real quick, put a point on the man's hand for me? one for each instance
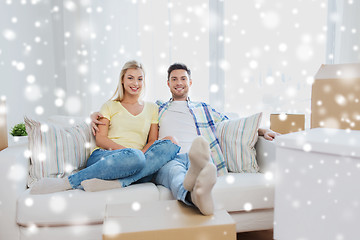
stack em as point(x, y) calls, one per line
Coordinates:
point(95, 122)
point(270, 135)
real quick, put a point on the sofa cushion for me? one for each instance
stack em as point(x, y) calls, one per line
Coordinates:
point(234, 190)
point(244, 191)
point(164, 193)
point(57, 150)
point(237, 141)
point(77, 206)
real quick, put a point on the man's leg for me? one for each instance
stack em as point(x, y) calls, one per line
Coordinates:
point(172, 175)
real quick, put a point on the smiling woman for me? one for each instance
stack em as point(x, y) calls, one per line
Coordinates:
point(131, 81)
point(127, 147)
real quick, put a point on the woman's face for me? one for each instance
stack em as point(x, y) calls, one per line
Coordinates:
point(133, 82)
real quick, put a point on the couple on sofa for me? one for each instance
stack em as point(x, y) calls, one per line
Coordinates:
point(128, 149)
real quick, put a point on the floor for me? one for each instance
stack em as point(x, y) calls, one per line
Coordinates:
point(257, 235)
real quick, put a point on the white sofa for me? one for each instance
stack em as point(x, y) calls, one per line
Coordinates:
point(76, 214)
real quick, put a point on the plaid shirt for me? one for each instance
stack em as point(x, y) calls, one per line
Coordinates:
point(205, 118)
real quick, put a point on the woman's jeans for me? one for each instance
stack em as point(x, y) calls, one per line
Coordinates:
point(128, 165)
point(172, 175)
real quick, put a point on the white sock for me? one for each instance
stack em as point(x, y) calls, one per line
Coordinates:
point(50, 185)
point(201, 196)
point(199, 155)
point(95, 184)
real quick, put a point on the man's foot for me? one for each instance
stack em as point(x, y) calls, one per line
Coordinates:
point(95, 184)
point(199, 155)
point(50, 185)
point(201, 195)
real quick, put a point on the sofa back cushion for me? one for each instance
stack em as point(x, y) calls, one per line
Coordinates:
point(237, 141)
point(57, 150)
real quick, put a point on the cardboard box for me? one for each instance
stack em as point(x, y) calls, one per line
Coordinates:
point(287, 123)
point(165, 220)
point(335, 101)
point(3, 125)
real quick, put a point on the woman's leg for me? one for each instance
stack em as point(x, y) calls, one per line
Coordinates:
point(109, 165)
point(102, 164)
point(161, 152)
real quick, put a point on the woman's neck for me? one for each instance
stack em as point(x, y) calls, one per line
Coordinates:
point(130, 99)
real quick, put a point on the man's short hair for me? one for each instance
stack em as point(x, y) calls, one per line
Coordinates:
point(177, 66)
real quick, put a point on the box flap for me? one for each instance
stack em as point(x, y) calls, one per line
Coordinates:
point(3, 125)
point(335, 101)
point(324, 140)
point(338, 71)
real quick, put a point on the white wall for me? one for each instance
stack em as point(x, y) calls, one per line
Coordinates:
point(68, 54)
point(26, 60)
point(273, 50)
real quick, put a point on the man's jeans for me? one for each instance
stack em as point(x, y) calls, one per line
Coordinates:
point(128, 165)
point(172, 175)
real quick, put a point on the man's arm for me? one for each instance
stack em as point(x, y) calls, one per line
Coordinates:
point(267, 133)
point(95, 117)
point(217, 116)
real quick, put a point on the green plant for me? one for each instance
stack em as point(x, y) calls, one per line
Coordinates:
point(18, 130)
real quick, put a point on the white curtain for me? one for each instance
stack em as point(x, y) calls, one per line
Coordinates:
point(343, 36)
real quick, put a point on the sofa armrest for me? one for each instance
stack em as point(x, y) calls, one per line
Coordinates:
point(265, 155)
point(14, 167)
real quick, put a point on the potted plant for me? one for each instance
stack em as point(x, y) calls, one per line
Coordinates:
point(19, 133)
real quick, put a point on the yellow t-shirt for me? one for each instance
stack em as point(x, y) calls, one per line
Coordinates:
point(126, 129)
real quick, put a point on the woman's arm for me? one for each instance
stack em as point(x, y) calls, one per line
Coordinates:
point(102, 139)
point(153, 136)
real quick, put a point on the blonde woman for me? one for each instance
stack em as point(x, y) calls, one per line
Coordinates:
point(127, 146)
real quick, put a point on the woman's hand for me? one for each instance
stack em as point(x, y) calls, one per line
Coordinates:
point(95, 122)
point(153, 136)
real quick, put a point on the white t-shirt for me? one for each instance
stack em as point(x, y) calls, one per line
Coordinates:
point(177, 121)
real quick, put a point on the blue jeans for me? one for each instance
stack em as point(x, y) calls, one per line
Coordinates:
point(128, 165)
point(172, 175)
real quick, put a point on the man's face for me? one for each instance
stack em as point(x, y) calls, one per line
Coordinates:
point(179, 84)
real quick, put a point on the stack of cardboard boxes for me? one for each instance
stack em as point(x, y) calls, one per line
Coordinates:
point(335, 101)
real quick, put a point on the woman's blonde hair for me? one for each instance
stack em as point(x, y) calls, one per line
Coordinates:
point(119, 92)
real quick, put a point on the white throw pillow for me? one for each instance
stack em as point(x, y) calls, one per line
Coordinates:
point(57, 150)
point(237, 141)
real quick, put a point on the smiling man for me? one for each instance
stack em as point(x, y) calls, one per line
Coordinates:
point(179, 82)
